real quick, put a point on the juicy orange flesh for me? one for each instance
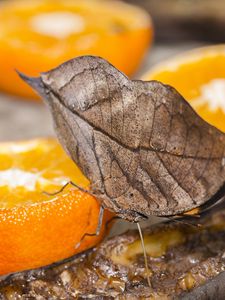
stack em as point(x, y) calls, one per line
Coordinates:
point(27, 169)
point(37, 230)
point(36, 36)
point(111, 21)
point(189, 78)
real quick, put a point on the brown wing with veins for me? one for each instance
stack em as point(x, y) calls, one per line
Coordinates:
point(144, 149)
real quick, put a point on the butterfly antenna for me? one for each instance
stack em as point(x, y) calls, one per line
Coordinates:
point(145, 255)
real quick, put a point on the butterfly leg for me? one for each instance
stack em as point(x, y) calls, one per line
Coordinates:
point(98, 229)
point(64, 186)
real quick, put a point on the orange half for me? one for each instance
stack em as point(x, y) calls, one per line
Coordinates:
point(38, 35)
point(199, 75)
point(37, 229)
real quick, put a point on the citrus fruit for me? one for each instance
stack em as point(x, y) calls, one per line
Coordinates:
point(199, 75)
point(38, 35)
point(37, 229)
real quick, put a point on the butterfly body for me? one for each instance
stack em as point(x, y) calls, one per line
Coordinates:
point(141, 145)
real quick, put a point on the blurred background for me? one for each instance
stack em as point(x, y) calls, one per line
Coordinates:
point(38, 35)
point(186, 20)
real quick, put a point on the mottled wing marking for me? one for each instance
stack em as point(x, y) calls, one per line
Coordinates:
point(141, 145)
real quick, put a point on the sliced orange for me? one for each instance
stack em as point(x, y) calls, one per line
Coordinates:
point(36, 229)
point(199, 75)
point(41, 34)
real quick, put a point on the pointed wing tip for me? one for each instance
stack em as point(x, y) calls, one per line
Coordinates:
point(27, 79)
point(34, 82)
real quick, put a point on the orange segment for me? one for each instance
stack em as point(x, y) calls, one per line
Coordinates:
point(199, 75)
point(38, 35)
point(37, 229)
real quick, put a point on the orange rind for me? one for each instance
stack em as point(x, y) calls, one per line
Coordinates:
point(37, 229)
point(39, 35)
point(199, 75)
